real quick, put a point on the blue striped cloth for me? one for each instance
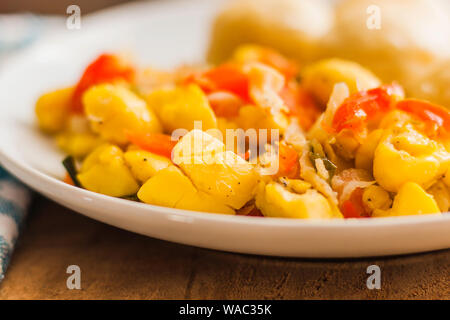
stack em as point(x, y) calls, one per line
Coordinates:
point(16, 33)
point(14, 202)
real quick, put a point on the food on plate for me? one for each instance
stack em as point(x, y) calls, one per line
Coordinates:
point(292, 27)
point(321, 76)
point(257, 135)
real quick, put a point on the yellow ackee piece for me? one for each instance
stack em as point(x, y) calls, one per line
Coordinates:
point(113, 110)
point(375, 197)
point(296, 185)
point(321, 77)
point(179, 107)
point(104, 171)
point(78, 144)
point(219, 173)
point(365, 153)
point(52, 109)
point(410, 200)
point(171, 188)
point(441, 195)
point(144, 164)
point(264, 88)
point(254, 117)
point(274, 200)
point(408, 156)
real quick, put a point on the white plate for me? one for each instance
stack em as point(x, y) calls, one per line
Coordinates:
point(166, 34)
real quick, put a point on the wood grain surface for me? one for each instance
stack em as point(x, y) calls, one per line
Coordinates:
point(117, 264)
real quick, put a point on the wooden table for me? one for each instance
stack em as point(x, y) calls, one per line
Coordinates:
point(117, 264)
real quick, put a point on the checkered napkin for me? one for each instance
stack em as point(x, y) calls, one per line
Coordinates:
point(14, 201)
point(16, 32)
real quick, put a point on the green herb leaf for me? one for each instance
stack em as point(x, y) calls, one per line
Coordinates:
point(69, 164)
point(133, 197)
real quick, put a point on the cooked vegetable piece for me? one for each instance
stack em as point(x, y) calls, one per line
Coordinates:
point(158, 143)
point(225, 104)
point(411, 199)
point(69, 165)
point(361, 108)
point(253, 117)
point(179, 107)
point(171, 188)
point(321, 77)
point(289, 165)
point(301, 105)
point(249, 210)
point(132, 197)
point(76, 144)
point(441, 195)
point(68, 180)
point(114, 110)
point(201, 201)
point(436, 118)
point(265, 85)
point(354, 207)
point(226, 77)
point(106, 68)
point(215, 171)
point(255, 53)
point(328, 165)
point(166, 188)
point(365, 153)
point(408, 156)
point(296, 185)
point(105, 171)
point(144, 164)
point(276, 201)
point(53, 108)
point(375, 197)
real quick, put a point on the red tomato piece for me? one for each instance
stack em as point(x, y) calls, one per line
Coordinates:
point(226, 77)
point(301, 105)
point(68, 180)
point(436, 118)
point(365, 106)
point(157, 143)
point(289, 165)
point(354, 207)
point(106, 68)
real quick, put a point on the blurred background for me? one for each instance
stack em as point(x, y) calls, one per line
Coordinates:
point(411, 45)
point(54, 7)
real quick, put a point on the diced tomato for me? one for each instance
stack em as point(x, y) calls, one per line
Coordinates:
point(354, 206)
point(365, 106)
point(157, 143)
point(68, 180)
point(436, 118)
point(301, 105)
point(225, 104)
point(105, 68)
point(289, 165)
point(227, 77)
